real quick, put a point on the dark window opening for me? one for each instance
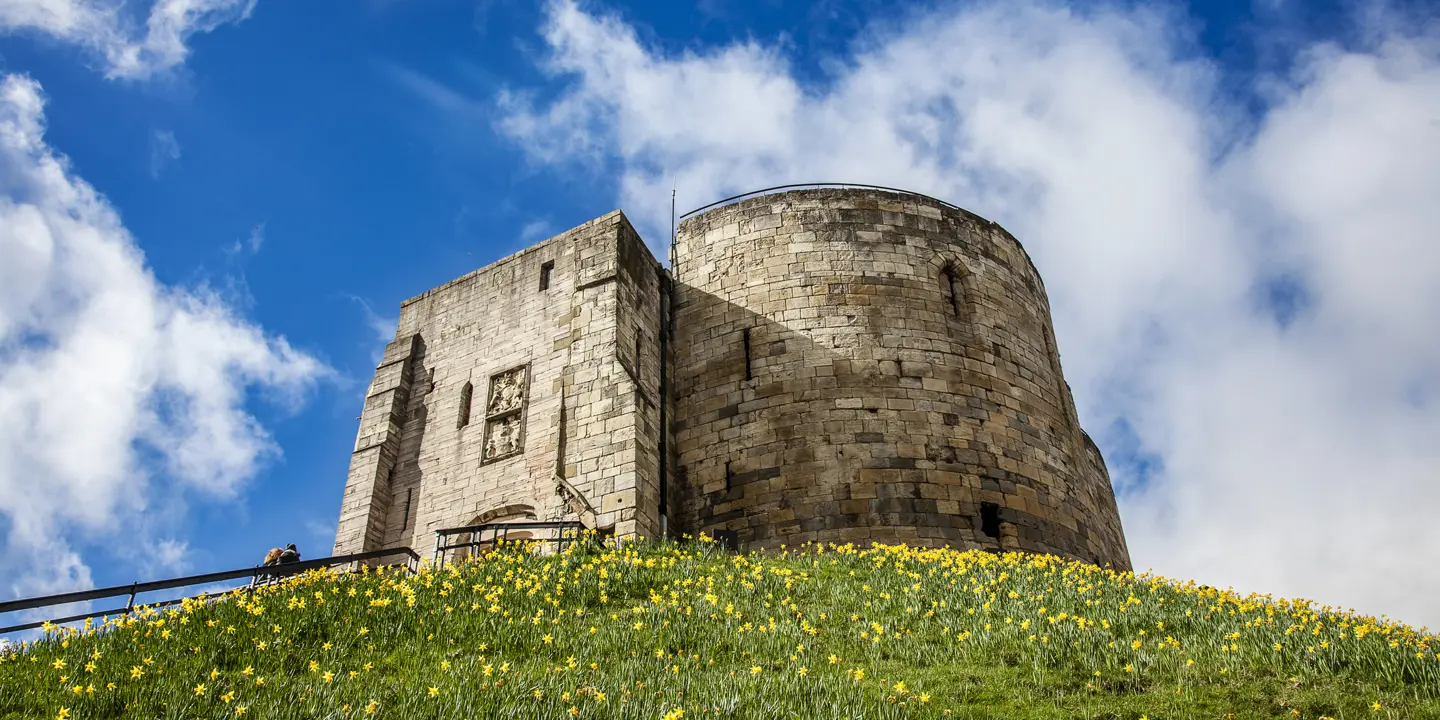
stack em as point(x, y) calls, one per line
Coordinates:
point(745, 338)
point(409, 495)
point(728, 539)
point(545, 270)
point(950, 287)
point(465, 395)
point(727, 476)
point(990, 519)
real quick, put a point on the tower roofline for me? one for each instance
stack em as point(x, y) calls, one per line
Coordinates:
point(603, 219)
point(756, 195)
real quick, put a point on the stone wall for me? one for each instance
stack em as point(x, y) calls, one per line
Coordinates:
point(502, 398)
point(839, 365)
point(857, 365)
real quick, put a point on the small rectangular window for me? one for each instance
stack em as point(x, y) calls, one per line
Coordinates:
point(545, 270)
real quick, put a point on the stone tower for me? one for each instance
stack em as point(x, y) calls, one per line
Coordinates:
point(839, 365)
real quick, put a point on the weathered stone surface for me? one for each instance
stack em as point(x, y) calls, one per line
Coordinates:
point(843, 365)
point(526, 352)
point(919, 379)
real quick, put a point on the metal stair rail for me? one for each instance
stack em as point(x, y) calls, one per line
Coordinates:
point(256, 574)
point(473, 537)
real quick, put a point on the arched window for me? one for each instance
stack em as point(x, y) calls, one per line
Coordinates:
point(466, 393)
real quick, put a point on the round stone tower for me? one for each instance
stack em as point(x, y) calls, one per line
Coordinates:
point(858, 365)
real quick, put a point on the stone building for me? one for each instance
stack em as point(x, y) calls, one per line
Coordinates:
point(836, 365)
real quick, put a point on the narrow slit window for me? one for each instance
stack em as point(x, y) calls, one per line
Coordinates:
point(545, 271)
point(990, 519)
point(950, 286)
point(727, 476)
point(409, 495)
point(465, 394)
point(745, 340)
point(637, 353)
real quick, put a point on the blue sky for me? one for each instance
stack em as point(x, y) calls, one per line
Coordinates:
point(1227, 200)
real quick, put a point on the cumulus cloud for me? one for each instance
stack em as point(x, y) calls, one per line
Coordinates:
point(1246, 300)
point(118, 394)
point(127, 47)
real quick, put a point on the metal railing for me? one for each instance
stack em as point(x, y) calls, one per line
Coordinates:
point(473, 537)
point(256, 575)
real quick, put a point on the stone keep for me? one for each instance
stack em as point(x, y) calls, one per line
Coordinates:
point(839, 365)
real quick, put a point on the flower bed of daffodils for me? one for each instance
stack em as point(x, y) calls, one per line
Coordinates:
point(669, 631)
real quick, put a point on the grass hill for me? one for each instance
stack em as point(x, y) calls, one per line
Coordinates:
point(671, 631)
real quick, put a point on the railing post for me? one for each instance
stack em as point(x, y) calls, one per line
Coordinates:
point(130, 604)
point(436, 557)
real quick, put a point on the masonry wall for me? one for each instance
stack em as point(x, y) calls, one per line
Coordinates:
point(857, 365)
point(585, 434)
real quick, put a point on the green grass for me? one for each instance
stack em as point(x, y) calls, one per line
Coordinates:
point(687, 630)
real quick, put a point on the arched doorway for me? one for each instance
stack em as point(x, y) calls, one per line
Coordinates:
point(482, 541)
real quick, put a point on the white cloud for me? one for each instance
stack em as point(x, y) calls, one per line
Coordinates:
point(118, 395)
point(534, 230)
point(170, 555)
point(1297, 456)
point(128, 48)
point(164, 149)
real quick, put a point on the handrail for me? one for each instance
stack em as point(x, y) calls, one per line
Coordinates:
point(533, 525)
point(821, 185)
point(443, 546)
point(255, 573)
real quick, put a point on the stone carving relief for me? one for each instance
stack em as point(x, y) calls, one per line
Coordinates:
point(504, 437)
point(505, 414)
point(507, 392)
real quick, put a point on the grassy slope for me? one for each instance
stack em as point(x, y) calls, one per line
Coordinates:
point(671, 631)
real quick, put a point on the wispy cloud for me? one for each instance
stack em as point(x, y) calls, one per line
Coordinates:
point(119, 391)
point(1171, 223)
point(323, 533)
point(125, 50)
point(435, 93)
point(250, 244)
point(163, 151)
point(536, 230)
point(382, 328)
